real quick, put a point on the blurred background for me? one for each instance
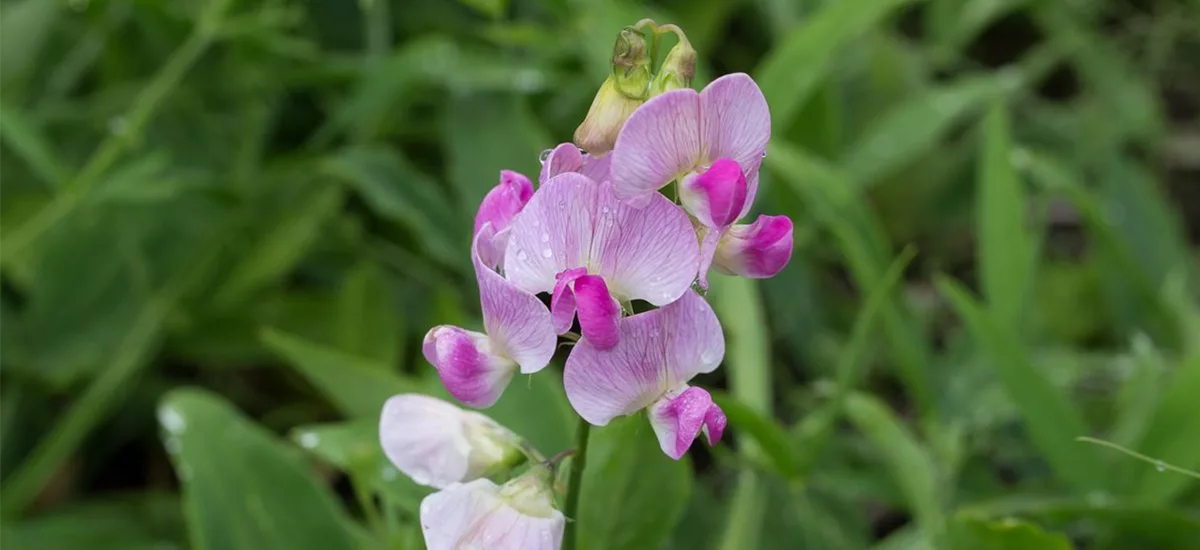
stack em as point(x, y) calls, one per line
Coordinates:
point(228, 223)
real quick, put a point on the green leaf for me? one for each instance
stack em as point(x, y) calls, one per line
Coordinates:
point(487, 133)
point(633, 494)
point(768, 436)
point(1052, 420)
point(916, 126)
point(368, 323)
point(792, 70)
point(242, 487)
point(354, 448)
point(27, 140)
point(138, 522)
point(23, 32)
point(1005, 248)
point(910, 464)
point(356, 385)
point(552, 427)
point(1137, 526)
point(1007, 534)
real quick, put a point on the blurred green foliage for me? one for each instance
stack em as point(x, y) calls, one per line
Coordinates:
point(271, 201)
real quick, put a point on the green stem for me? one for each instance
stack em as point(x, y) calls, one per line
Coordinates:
point(578, 462)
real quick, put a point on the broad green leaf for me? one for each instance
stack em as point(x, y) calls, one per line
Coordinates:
point(916, 126)
point(1006, 534)
point(910, 464)
point(633, 494)
point(354, 448)
point(487, 133)
point(368, 320)
point(397, 191)
point(292, 227)
point(1005, 251)
point(535, 407)
point(356, 385)
point(137, 522)
point(24, 29)
point(242, 487)
point(1052, 420)
point(1137, 526)
point(792, 70)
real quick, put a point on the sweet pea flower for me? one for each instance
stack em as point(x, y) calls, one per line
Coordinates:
point(476, 367)
point(659, 352)
point(566, 157)
point(592, 252)
point(498, 208)
point(436, 443)
point(757, 251)
point(518, 515)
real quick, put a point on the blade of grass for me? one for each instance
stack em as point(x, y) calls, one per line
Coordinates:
point(1159, 465)
point(1005, 249)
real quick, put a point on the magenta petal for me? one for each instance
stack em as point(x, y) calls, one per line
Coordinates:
point(504, 201)
point(562, 301)
point(714, 424)
point(660, 141)
point(758, 250)
point(716, 196)
point(566, 157)
point(677, 419)
point(657, 350)
point(644, 254)
point(599, 313)
point(735, 121)
point(468, 369)
point(519, 326)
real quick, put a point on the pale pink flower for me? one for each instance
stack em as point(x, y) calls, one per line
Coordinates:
point(566, 157)
point(498, 209)
point(575, 240)
point(476, 367)
point(436, 443)
point(659, 352)
point(518, 515)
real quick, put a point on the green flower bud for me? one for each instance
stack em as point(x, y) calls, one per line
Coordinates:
point(677, 69)
point(620, 95)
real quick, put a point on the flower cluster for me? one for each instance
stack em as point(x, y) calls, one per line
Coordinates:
point(595, 237)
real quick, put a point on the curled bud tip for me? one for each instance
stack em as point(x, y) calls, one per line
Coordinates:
point(717, 195)
point(467, 366)
point(677, 69)
point(620, 95)
point(759, 250)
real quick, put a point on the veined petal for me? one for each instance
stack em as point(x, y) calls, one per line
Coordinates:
point(709, 243)
point(681, 415)
point(598, 168)
point(436, 443)
point(644, 254)
point(735, 121)
point(660, 141)
point(714, 424)
point(599, 313)
point(758, 250)
point(566, 157)
point(552, 234)
point(504, 201)
point(717, 195)
point(562, 300)
point(469, 369)
point(518, 325)
point(476, 515)
point(658, 350)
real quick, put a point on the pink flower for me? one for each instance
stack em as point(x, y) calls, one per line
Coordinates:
point(566, 157)
point(576, 241)
point(518, 515)
point(476, 367)
point(436, 443)
point(758, 250)
point(659, 352)
point(712, 143)
point(498, 208)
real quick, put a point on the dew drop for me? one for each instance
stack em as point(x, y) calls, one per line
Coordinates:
point(545, 155)
point(764, 153)
point(171, 420)
point(546, 253)
point(309, 440)
point(521, 256)
point(545, 237)
point(562, 203)
point(117, 126)
point(604, 210)
point(1160, 466)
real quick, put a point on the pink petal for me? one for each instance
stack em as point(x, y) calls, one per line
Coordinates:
point(599, 168)
point(599, 313)
point(658, 350)
point(474, 515)
point(679, 417)
point(758, 250)
point(735, 122)
point(467, 366)
point(644, 254)
point(660, 142)
point(562, 301)
point(714, 424)
point(708, 247)
point(566, 157)
point(552, 234)
point(504, 201)
point(716, 196)
point(518, 325)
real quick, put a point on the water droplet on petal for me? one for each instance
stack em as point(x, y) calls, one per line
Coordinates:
point(544, 155)
point(604, 210)
point(764, 153)
point(546, 253)
point(562, 203)
point(521, 255)
point(1160, 466)
point(545, 237)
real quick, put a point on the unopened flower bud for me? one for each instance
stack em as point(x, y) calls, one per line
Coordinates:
point(620, 95)
point(677, 69)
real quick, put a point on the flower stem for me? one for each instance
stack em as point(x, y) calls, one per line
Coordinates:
point(578, 461)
